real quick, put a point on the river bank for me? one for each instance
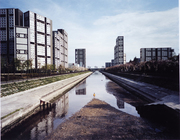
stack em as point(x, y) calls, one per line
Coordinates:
point(99, 120)
point(20, 106)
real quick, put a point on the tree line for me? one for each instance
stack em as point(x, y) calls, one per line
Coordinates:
point(168, 67)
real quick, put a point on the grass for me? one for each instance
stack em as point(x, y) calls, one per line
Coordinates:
point(11, 113)
point(9, 89)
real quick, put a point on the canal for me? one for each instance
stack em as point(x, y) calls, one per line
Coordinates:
point(45, 122)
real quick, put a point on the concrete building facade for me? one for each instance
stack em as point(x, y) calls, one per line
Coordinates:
point(64, 47)
point(119, 51)
point(80, 57)
point(40, 33)
point(13, 37)
point(148, 54)
point(60, 48)
point(108, 64)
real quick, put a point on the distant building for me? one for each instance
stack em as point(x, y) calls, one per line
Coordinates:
point(112, 62)
point(13, 36)
point(124, 58)
point(60, 48)
point(64, 48)
point(147, 54)
point(119, 51)
point(108, 64)
point(40, 32)
point(80, 57)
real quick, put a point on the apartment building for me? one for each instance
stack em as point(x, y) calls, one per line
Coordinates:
point(60, 48)
point(64, 47)
point(147, 54)
point(80, 57)
point(40, 38)
point(119, 51)
point(13, 36)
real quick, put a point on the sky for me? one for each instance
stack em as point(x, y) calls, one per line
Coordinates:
point(95, 25)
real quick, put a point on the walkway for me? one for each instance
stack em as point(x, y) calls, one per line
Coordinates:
point(154, 94)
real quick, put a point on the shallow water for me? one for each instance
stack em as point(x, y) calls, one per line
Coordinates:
point(42, 124)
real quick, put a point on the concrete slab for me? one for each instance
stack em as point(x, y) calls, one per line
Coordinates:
point(155, 94)
point(26, 101)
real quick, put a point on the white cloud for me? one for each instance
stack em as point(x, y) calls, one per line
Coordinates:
point(140, 29)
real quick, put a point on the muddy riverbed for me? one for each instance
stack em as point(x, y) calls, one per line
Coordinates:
point(98, 120)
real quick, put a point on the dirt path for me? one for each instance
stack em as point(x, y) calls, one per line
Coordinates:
point(99, 121)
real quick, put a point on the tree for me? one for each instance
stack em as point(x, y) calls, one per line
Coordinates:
point(17, 64)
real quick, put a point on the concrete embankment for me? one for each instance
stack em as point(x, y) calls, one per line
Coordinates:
point(18, 107)
point(163, 103)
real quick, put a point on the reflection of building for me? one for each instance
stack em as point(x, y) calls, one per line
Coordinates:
point(60, 48)
point(147, 54)
point(81, 92)
point(119, 51)
point(120, 103)
point(81, 89)
point(80, 57)
point(40, 33)
point(62, 105)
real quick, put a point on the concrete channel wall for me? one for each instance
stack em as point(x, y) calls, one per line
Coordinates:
point(28, 102)
point(163, 106)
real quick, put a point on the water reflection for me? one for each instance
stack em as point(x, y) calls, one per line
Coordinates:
point(81, 89)
point(43, 123)
point(120, 103)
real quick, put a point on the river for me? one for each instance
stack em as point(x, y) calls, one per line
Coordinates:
point(43, 123)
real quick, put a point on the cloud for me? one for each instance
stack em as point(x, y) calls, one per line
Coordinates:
point(89, 28)
point(142, 29)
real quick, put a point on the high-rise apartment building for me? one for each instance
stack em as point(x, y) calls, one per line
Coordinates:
point(64, 47)
point(40, 34)
point(147, 54)
point(60, 48)
point(80, 57)
point(119, 51)
point(13, 36)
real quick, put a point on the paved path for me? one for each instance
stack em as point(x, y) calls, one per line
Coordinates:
point(154, 94)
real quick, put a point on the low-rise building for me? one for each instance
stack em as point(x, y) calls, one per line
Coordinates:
point(108, 64)
point(147, 54)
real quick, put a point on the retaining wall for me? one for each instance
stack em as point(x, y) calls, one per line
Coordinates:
point(44, 93)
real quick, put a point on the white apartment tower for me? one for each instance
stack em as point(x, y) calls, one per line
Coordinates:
point(60, 48)
point(40, 38)
point(64, 47)
point(119, 51)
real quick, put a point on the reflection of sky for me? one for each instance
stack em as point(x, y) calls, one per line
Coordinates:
point(70, 103)
point(96, 83)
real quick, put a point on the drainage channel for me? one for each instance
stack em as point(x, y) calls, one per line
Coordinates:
point(45, 122)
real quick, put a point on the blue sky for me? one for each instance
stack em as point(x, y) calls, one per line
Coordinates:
point(95, 24)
